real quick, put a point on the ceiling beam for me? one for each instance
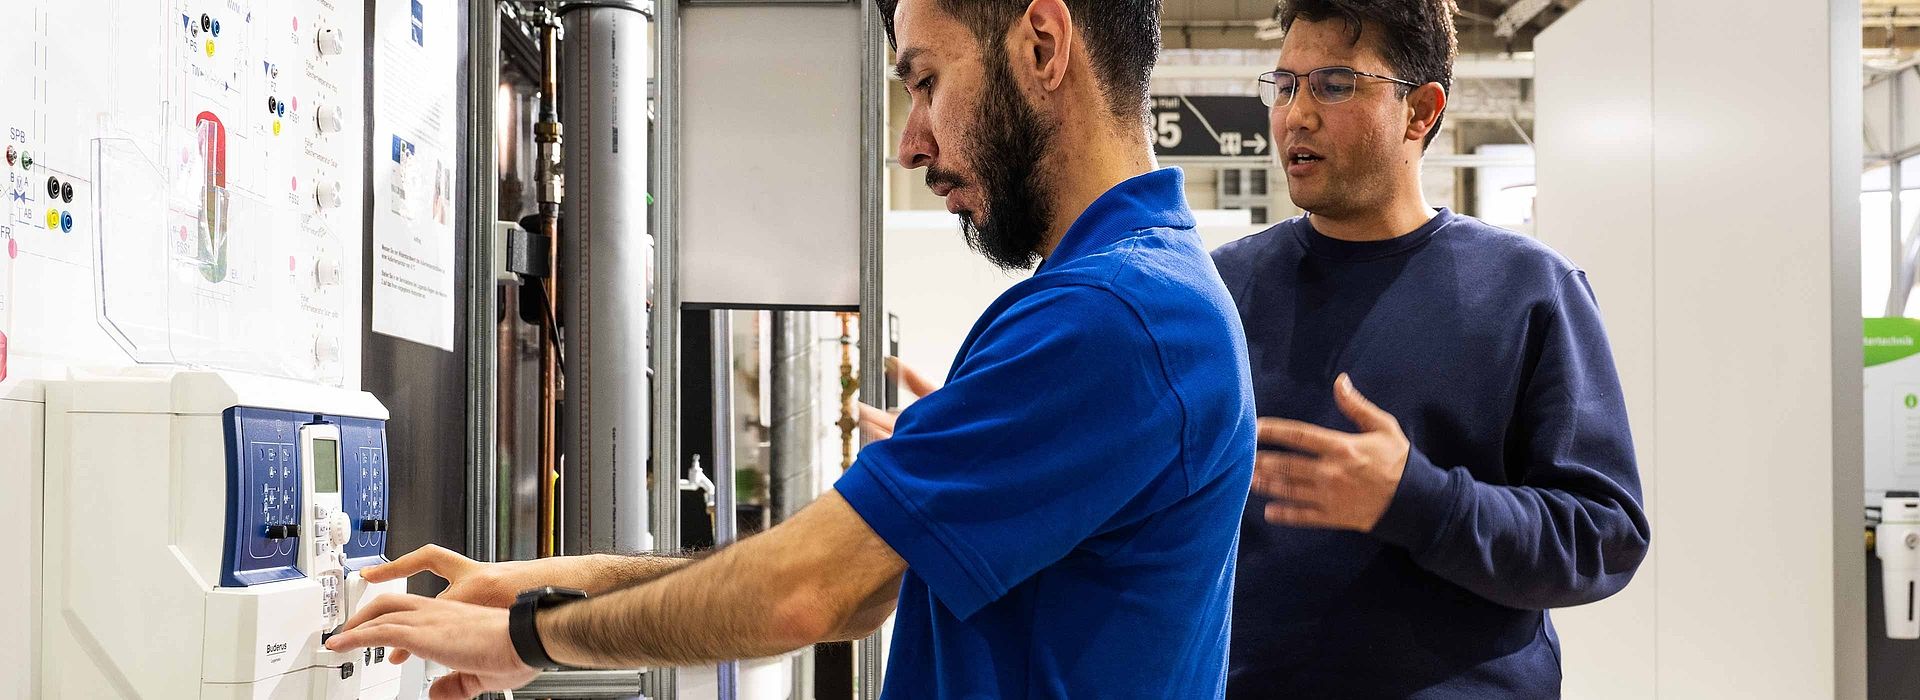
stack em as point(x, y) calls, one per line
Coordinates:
point(1519, 15)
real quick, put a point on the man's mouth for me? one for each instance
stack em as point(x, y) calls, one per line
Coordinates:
point(1300, 155)
point(943, 182)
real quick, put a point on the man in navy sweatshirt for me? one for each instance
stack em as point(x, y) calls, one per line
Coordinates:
point(1407, 544)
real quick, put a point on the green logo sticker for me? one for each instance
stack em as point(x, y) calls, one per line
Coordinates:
point(1913, 401)
point(1889, 339)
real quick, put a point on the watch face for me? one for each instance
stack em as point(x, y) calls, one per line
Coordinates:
point(561, 595)
point(550, 596)
point(530, 595)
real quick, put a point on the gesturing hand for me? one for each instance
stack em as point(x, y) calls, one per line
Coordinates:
point(1332, 479)
point(877, 424)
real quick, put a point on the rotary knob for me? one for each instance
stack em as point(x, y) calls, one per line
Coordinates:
point(330, 42)
point(326, 272)
point(326, 350)
point(340, 527)
point(327, 194)
point(329, 119)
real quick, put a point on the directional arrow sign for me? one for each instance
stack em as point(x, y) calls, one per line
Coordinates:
point(1210, 126)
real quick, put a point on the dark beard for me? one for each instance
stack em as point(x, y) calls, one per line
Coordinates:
point(1019, 204)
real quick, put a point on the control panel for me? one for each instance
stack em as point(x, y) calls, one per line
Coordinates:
point(269, 496)
point(299, 478)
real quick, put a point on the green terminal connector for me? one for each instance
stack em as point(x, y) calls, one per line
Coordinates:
point(26, 161)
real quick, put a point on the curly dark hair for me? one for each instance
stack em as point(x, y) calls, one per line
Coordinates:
point(1123, 40)
point(1416, 36)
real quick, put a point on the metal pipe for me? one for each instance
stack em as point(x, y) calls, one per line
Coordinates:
point(547, 134)
point(794, 428)
point(579, 685)
point(726, 516)
point(1900, 281)
point(604, 271)
point(661, 683)
point(483, 77)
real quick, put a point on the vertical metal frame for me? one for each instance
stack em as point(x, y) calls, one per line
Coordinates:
point(1846, 102)
point(1898, 283)
point(483, 79)
point(873, 315)
point(665, 322)
point(726, 513)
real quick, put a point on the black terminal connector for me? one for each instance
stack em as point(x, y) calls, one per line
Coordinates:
point(283, 532)
point(527, 254)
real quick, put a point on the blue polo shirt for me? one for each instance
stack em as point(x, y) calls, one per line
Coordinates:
point(1068, 504)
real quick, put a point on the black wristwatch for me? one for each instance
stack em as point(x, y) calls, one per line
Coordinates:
point(526, 637)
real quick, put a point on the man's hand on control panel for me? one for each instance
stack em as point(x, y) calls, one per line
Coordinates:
point(461, 635)
point(496, 584)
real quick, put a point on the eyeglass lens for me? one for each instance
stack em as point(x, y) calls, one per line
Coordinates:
point(1330, 86)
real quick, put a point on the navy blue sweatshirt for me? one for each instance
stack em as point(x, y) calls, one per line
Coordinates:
point(1520, 493)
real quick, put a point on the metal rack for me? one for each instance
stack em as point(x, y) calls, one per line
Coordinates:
point(495, 25)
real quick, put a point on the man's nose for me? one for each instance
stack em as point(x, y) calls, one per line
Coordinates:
point(917, 147)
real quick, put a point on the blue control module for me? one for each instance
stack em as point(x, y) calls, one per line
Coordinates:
point(363, 494)
point(264, 493)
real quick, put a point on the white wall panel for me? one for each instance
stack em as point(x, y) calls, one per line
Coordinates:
point(21, 447)
point(1732, 304)
point(1745, 355)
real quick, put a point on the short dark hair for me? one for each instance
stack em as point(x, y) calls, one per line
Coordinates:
point(1122, 39)
point(1416, 36)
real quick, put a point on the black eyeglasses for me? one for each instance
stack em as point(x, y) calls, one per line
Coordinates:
point(1331, 86)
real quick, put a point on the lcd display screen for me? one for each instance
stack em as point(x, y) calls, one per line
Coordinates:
point(326, 466)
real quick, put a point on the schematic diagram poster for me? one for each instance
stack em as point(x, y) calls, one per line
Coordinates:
point(416, 60)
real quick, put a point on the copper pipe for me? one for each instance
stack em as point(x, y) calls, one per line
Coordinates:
point(547, 135)
point(849, 386)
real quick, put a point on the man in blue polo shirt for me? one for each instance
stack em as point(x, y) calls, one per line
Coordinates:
point(1060, 520)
